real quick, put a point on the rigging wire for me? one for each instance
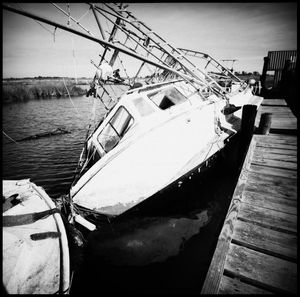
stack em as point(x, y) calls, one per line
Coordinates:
point(85, 14)
point(52, 33)
point(70, 97)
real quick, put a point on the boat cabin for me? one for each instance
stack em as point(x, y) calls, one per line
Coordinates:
point(137, 111)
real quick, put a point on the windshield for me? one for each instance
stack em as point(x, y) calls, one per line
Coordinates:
point(115, 129)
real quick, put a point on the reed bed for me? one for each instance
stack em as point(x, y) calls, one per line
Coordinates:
point(30, 89)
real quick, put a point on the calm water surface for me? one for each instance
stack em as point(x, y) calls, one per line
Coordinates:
point(162, 253)
point(49, 162)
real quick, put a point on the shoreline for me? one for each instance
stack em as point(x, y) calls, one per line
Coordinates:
point(25, 89)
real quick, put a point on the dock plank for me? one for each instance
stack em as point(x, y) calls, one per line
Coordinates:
point(278, 180)
point(270, 202)
point(262, 269)
point(271, 188)
point(275, 150)
point(285, 156)
point(273, 171)
point(230, 286)
point(276, 102)
point(275, 163)
point(276, 136)
point(280, 122)
point(276, 140)
point(275, 109)
point(266, 240)
point(277, 145)
point(273, 219)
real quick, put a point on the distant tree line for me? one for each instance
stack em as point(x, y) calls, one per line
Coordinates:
point(44, 77)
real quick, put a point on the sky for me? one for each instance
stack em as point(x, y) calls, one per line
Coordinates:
point(242, 31)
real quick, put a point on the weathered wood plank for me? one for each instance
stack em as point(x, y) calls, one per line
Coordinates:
point(271, 202)
point(284, 116)
point(275, 163)
point(259, 268)
point(266, 240)
point(275, 109)
point(276, 135)
point(215, 271)
point(267, 155)
point(273, 171)
point(277, 145)
point(274, 150)
point(269, 218)
point(270, 137)
point(280, 123)
point(269, 189)
point(230, 286)
point(279, 117)
point(278, 102)
point(276, 180)
point(276, 140)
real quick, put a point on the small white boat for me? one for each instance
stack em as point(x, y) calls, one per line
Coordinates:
point(152, 137)
point(35, 247)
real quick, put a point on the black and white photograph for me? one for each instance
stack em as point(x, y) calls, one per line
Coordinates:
point(149, 148)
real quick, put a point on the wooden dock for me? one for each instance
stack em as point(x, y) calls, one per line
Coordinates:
point(256, 252)
point(283, 120)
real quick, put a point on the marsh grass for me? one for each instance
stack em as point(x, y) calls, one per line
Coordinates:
point(30, 89)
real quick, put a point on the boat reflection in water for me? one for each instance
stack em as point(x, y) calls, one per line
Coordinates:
point(143, 241)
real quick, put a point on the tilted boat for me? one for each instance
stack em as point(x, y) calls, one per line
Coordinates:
point(153, 136)
point(172, 118)
point(35, 247)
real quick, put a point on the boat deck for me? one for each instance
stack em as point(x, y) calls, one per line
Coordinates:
point(256, 252)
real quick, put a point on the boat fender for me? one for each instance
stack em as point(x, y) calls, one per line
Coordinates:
point(82, 221)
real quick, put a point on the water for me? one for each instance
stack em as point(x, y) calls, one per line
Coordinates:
point(168, 251)
point(49, 162)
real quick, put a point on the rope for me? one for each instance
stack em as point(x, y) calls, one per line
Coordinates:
point(121, 62)
point(9, 137)
point(70, 97)
point(74, 60)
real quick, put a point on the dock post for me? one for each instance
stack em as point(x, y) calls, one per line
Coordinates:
point(264, 74)
point(265, 123)
point(283, 84)
point(247, 129)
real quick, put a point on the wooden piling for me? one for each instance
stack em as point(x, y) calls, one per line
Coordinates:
point(247, 128)
point(264, 73)
point(265, 123)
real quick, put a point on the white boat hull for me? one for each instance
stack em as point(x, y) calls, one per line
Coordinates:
point(35, 252)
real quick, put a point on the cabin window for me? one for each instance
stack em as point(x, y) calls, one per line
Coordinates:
point(115, 129)
point(166, 98)
point(142, 106)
